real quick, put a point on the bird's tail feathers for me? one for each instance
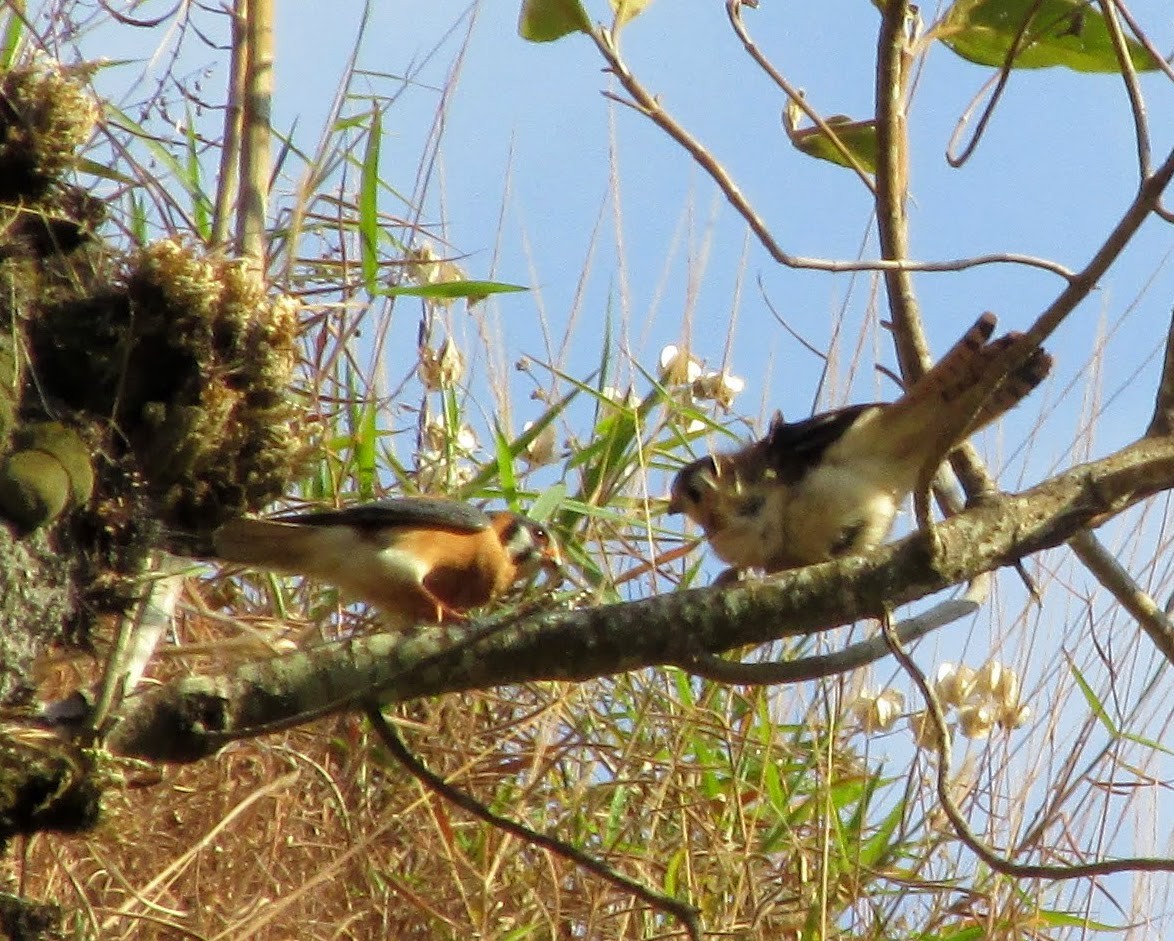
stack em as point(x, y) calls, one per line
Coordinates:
point(968, 388)
point(266, 544)
point(1012, 389)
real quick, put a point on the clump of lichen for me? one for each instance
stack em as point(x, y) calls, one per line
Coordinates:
point(193, 361)
point(45, 118)
point(48, 247)
point(137, 393)
point(221, 437)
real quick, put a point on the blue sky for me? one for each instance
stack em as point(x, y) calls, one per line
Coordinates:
point(1054, 172)
point(524, 180)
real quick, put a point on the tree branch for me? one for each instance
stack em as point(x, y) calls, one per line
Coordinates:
point(1162, 421)
point(1113, 576)
point(193, 717)
point(647, 104)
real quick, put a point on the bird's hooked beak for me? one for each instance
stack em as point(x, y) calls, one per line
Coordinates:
point(532, 548)
point(551, 557)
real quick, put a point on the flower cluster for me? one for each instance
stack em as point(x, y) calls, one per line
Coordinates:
point(444, 460)
point(442, 368)
point(681, 370)
point(982, 698)
point(979, 700)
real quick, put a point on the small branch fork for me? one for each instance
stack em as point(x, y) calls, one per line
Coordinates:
point(641, 100)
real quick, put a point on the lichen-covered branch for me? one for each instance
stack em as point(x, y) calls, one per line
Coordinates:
point(190, 719)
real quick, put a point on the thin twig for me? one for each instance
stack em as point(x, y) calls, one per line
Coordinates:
point(1113, 577)
point(1000, 86)
point(734, 12)
point(1144, 203)
point(647, 105)
point(685, 913)
point(1141, 131)
point(853, 657)
point(1139, 34)
point(1162, 422)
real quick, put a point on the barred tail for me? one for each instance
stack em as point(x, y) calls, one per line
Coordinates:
point(1013, 389)
point(965, 390)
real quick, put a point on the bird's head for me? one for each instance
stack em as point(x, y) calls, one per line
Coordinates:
point(695, 491)
point(530, 546)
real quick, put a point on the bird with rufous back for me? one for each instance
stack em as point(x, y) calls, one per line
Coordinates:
point(415, 559)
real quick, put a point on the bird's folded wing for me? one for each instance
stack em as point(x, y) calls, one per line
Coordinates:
point(412, 512)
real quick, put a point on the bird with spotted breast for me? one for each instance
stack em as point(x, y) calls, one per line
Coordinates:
point(415, 559)
point(831, 485)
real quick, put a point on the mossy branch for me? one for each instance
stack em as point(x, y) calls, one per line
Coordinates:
point(192, 718)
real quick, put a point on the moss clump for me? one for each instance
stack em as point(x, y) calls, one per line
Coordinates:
point(194, 361)
point(45, 118)
point(48, 470)
point(156, 387)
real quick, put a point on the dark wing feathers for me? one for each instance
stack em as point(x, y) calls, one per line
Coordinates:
point(428, 512)
point(793, 448)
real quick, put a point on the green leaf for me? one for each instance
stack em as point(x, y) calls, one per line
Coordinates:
point(858, 138)
point(1094, 702)
point(547, 502)
point(368, 203)
point(103, 172)
point(548, 20)
point(201, 201)
point(446, 290)
point(13, 37)
point(505, 468)
point(1044, 33)
point(626, 10)
point(366, 432)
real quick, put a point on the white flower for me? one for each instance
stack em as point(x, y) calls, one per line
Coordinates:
point(436, 474)
point(976, 721)
point(999, 682)
point(877, 712)
point(677, 367)
point(1013, 717)
point(925, 730)
point(541, 450)
point(720, 387)
point(433, 437)
point(422, 266)
point(613, 395)
point(467, 441)
point(436, 439)
point(426, 268)
point(954, 684)
point(440, 369)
